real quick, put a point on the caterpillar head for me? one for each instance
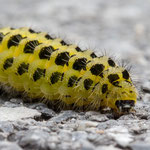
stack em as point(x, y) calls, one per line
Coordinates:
point(122, 96)
point(120, 93)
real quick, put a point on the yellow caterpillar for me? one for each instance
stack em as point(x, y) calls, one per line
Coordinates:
point(49, 68)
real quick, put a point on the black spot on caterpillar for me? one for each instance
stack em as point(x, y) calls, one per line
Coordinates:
point(71, 81)
point(104, 88)
point(80, 64)
point(46, 52)
point(62, 58)
point(23, 68)
point(97, 69)
point(38, 74)
point(55, 77)
point(87, 83)
point(8, 63)
point(45, 67)
point(30, 46)
point(14, 40)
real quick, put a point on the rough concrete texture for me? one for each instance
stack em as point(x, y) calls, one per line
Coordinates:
point(122, 29)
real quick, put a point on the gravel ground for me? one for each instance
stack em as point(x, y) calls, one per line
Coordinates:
point(122, 29)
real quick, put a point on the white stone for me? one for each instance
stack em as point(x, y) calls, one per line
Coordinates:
point(84, 124)
point(121, 135)
point(17, 113)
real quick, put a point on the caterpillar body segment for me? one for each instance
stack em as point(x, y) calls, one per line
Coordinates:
point(47, 67)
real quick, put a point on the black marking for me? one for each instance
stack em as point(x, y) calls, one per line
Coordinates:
point(88, 61)
point(45, 52)
point(63, 42)
point(72, 56)
point(93, 55)
point(48, 37)
point(12, 28)
point(67, 96)
point(95, 86)
point(71, 81)
point(113, 77)
point(104, 88)
point(23, 67)
point(97, 69)
point(78, 81)
point(30, 46)
point(62, 76)
point(14, 40)
point(116, 83)
point(32, 31)
point(107, 94)
point(1, 36)
point(125, 74)
point(128, 82)
point(80, 64)
point(101, 75)
point(8, 63)
point(87, 83)
point(111, 62)
point(62, 58)
point(38, 74)
point(55, 77)
point(78, 49)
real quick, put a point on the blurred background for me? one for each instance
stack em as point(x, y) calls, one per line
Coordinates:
point(121, 28)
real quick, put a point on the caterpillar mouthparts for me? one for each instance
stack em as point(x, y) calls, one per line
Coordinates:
point(48, 68)
point(125, 105)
